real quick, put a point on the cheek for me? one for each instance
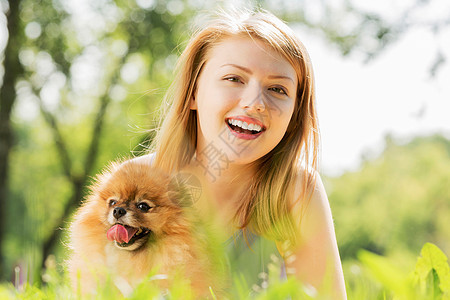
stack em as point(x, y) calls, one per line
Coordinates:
point(281, 119)
point(214, 98)
point(161, 220)
point(213, 101)
point(103, 208)
point(286, 116)
point(281, 112)
point(109, 216)
point(154, 222)
point(212, 112)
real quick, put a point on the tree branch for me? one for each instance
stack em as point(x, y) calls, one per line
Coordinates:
point(59, 140)
point(80, 181)
point(95, 140)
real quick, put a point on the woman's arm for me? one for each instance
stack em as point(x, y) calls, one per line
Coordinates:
point(315, 260)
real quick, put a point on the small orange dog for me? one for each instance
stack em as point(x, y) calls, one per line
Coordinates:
point(131, 223)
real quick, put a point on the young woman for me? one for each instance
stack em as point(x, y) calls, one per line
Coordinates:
point(242, 119)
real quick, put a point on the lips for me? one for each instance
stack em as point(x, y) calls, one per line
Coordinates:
point(245, 127)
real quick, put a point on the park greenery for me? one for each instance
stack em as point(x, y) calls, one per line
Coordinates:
point(82, 85)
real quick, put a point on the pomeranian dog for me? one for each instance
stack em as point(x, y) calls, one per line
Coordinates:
point(131, 223)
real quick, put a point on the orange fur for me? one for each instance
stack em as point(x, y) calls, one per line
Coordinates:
point(171, 246)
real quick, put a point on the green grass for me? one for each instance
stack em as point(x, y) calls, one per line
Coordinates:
point(370, 277)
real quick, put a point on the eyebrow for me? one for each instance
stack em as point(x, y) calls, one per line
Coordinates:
point(239, 67)
point(281, 77)
point(247, 70)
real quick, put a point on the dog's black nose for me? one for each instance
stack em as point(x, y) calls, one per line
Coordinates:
point(118, 212)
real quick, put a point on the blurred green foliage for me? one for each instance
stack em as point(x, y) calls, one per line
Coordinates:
point(395, 202)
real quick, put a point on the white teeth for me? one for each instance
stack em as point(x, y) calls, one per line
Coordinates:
point(139, 231)
point(244, 125)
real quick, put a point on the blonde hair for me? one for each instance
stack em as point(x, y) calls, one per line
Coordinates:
point(266, 206)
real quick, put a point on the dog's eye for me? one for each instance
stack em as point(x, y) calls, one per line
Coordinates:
point(143, 207)
point(112, 202)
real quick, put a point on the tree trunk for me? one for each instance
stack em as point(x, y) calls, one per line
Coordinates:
point(78, 182)
point(13, 70)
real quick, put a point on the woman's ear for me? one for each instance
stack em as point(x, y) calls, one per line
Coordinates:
point(193, 103)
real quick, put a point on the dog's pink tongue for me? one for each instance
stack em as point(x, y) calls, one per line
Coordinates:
point(120, 233)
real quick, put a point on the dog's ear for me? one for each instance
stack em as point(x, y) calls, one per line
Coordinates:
point(184, 189)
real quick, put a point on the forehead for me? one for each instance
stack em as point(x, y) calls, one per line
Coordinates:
point(251, 53)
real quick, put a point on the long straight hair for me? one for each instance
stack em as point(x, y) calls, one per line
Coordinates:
point(266, 206)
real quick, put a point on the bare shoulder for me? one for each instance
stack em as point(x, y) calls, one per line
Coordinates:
point(316, 255)
point(311, 206)
point(145, 159)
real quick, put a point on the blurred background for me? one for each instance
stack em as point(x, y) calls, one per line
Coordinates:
point(82, 82)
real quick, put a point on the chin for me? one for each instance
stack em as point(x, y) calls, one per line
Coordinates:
point(244, 153)
point(132, 224)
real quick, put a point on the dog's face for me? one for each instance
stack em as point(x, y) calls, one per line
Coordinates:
point(137, 207)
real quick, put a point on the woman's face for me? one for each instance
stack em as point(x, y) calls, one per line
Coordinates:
point(244, 99)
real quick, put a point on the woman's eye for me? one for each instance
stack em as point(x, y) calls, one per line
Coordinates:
point(112, 202)
point(278, 90)
point(233, 79)
point(143, 207)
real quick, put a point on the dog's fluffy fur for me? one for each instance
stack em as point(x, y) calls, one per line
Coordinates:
point(135, 195)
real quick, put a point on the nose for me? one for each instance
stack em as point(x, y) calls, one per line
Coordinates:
point(253, 99)
point(118, 212)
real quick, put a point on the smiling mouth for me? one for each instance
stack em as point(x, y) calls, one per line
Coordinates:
point(125, 235)
point(245, 129)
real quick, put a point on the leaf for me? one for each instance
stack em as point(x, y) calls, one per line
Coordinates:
point(241, 287)
point(6, 292)
point(433, 260)
point(32, 293)
point(387, 274)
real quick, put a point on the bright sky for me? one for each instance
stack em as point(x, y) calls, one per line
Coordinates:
point(359, 103)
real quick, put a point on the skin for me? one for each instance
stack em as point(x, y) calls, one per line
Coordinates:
point(316, 259)
point(242, 77)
